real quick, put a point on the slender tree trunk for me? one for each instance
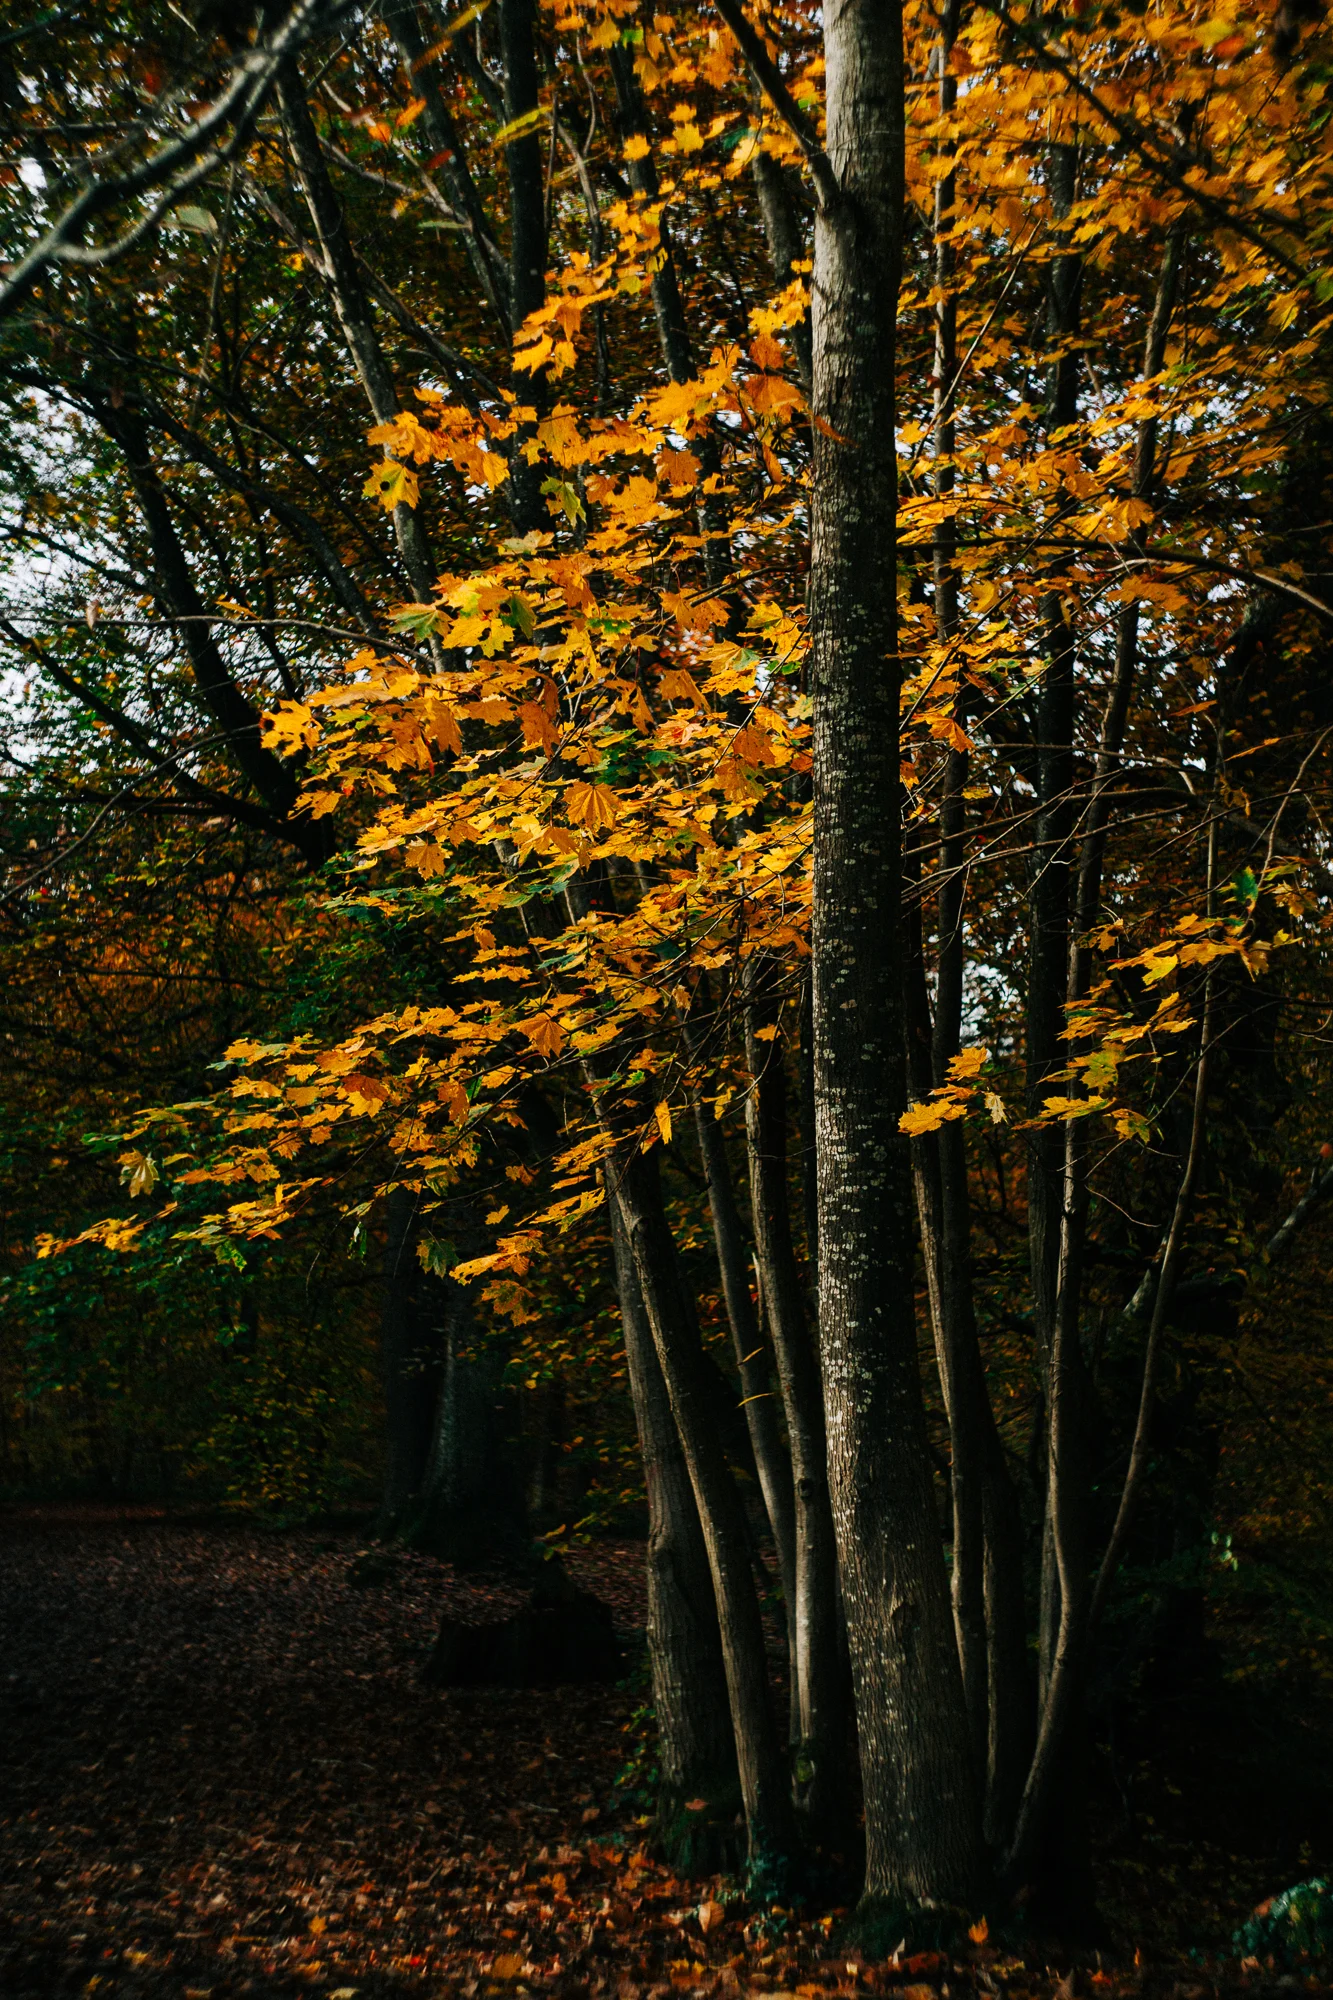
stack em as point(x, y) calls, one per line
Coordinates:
point(673, 332)
point(987, 1571)
point(949, 1293)
point(1092, 853)
point(785, 236)
point(760, 1763)
point(446, 148)
point(472, 1506)
point(410, 1369)
point(922, 1819)
point(696, 1746)
point(817, 1668)
point(343, 277)
point(809, 1166)
point(527, 241)
point(1063, 1866)
point(1052, 1810)
point(1048, 896)
point(772, 1464)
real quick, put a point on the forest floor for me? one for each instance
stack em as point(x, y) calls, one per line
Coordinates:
point(221, 1775)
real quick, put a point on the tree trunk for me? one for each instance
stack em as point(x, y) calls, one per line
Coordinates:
point(696, 1748)
point(1055, 1210)
point(760, 1763)
point(950, 1294)
point(772, 1465)
point(343, 275)
point(922, 1819)
point(472, 1506)
point(817, 1669)
point(410, 1365)
point(445, 147)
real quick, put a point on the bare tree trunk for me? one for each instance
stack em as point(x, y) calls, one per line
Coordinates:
point(472, 1504)
point(772, 1465)
point(760, 1763)
point(817, 1669)
point(785, 237)
point(446, 147)
point(922, 1818)
point(949, 1292)
point(343, 277)
point(1055, 1244)
point(410, 1370)
point(696, 1747)
point(673, 332)
point(987, 1570)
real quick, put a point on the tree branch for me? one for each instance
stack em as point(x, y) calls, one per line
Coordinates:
point(176, 164)
point(768, 76)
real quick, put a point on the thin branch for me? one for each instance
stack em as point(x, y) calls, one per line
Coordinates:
point(175, 165)
point(769, 78)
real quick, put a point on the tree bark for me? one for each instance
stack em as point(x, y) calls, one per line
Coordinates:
point(760, 1764)
point(817, 1669)
point(772, 1465)
point(696, 1747)
point(922, 1820)
point(446, 146)
point(472, 1507)
point(411, 1371)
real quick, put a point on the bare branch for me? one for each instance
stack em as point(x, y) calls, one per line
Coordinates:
point(769, 78)
point(174, 167)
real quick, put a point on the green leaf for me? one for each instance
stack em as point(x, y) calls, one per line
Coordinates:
point(1245, 887)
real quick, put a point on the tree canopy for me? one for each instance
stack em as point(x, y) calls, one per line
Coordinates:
point(675, 668)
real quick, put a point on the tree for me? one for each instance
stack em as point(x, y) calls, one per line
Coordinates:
point(939, 640)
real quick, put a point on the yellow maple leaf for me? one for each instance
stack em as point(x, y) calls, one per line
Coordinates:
point(538, 729)
point(593, 806)
point(677, 685)
point(426, 856)
point(290, 728)
point(636, 502)
point(662, 1113)
point(678, 468)
point(546, 1036)
point(930, 1115)
point(393, 485)
point(767, 353)
point(440, 722)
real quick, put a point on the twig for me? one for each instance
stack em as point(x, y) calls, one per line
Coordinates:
point(769, 77)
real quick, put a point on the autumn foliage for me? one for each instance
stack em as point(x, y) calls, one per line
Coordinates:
point(431, 520)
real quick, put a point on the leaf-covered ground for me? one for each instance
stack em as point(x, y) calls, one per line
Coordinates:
point(220, 1774)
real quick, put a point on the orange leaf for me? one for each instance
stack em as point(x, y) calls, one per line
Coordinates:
point(593, 805)
point(928, 1117)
